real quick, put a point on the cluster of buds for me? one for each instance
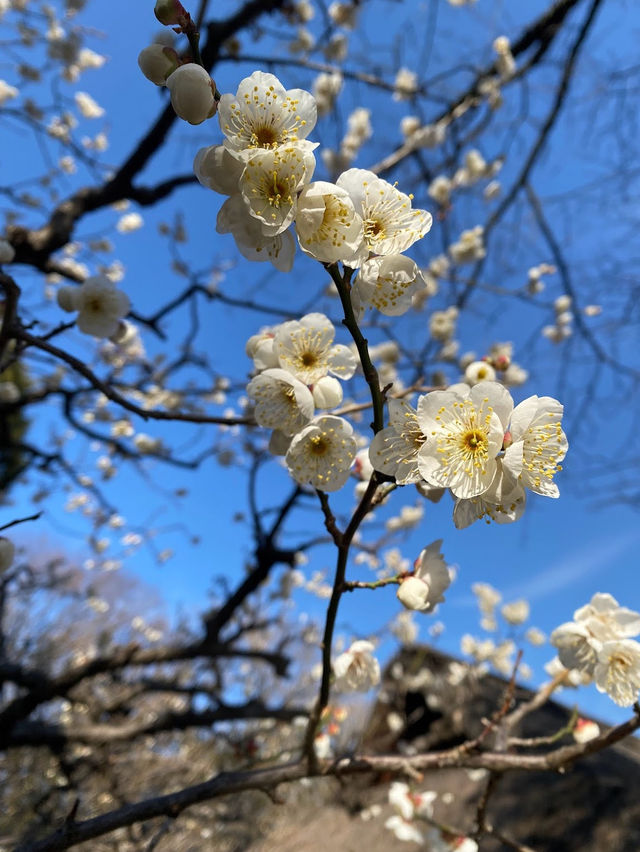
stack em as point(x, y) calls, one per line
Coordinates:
point(194, 96)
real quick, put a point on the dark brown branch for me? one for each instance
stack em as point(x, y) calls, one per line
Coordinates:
point(72, 833)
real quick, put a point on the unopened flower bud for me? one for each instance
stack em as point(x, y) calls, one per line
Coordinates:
point(7, 553)
point(192, 93)
point(327, 392)
point(413, 593)
point(157, 61)
point(169, 12)
point(68, 298)
point(7, 251)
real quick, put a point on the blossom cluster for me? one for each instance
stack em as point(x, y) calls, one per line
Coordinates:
point(265, 167)
point(298, 368)
point(474, 442)
point(598, 644)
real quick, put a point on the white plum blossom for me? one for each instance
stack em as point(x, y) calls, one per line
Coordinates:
point(600, 621)
point(252, 243)
point(326, 88)
point(270, 182)
point(390, 223)
point(406, 84)
point(404, 830)
point(343, 14)
point(388, 283)
point(437, 840)
point(442, 324)
point(305, 348)
point(516, 612)
point(469, 247)
point(617, 671)
point(505, 63)
point(7, 92)
point(440, 189)
point(479, 371)
point(394, 450)
point(192, 93)
point(282, 402)
point(87, 106)
point(100, 305)
point(129, 222)
point(503, 502)
point(321, 454)
point(424, 589)
point(464, 436)
point(263, 115)
point(357, 670)
point(538, 444)
point(327, 225)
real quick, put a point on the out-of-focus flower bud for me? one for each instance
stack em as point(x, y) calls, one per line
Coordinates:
point(7, 553)
point(68, 298)
point(169, 12)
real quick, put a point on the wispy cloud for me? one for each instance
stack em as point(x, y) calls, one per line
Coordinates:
point(566, 570)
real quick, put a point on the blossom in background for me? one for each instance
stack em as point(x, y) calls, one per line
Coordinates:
point(263, 115)
point(390, 223)
point(516, 612)
point(394, 450)
point(7, 251)
point(617, 671)
point(305, 348)
point(479, 371)
point(322, 453)
point(469, 247)
point(388, 283)
point(585, 730)
point(281, 401)
point(357, 670)
point(406, 84)
point(424, 589)
point(100, 305)
point(440, 841)
point(602, 620)
point(408, 805)
point(7, 553)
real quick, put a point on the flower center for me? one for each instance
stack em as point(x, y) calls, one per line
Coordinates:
point(265, 137)
point(308, 359)
point(318, 445)
point(373, 230)
point(474, 441)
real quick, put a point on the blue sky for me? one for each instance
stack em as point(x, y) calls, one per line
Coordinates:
point(562, 551)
